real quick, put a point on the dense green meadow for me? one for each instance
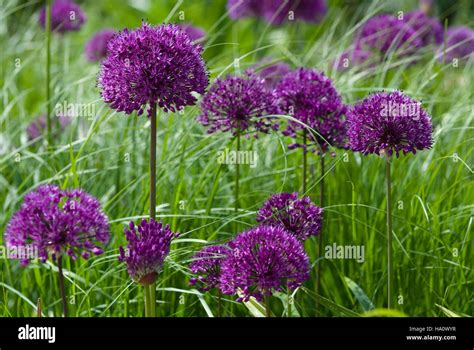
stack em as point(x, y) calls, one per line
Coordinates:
point(107, 156)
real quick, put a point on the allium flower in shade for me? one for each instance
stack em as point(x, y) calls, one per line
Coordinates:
point(38, 126)
point(386, 33)
point(152, 65)
point(351, 58)
point(272, 72)
point(387, 123)
point(206, 265)
point(311, 98)
point(96, 47)
point(148, 246)
point(263, 260)
point(195, 33)
point(66, 16)
point(459, 44)
point(59, 221)
point(300, 217)
point(278, 12)
point(428, 29)
point(238, 103)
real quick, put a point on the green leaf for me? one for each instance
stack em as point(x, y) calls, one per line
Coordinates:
point(360, 295)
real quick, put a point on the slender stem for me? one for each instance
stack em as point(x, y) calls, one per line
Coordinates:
point(268, 311)
point(219, 303)
point(153, 162)
point(305, 160)
point(320, 239)
point(289, 301)
point(61, 286)
point(152, 302)
point(49, 138)
point(146, 297)
point(389, 231)
point(237, 172)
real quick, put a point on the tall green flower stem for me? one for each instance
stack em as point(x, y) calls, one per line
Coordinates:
point(305, 159)
point(150, 289)
point(237, 171)
point(389, 229)
point(320, 238)
point(268, 311)
point(47, 28)
point(219, 303)
point(61, 286)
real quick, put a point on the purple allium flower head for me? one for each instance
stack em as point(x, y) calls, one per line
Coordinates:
point(206, 265)
point(272, 72)
point(238, 103)
point(459, 44)
point(278, 12)
point(428, 29)
point(152, 65)
point(66, 16)
point(387, 123)
point(351, 58)
point(300, 217)
point(56, 221)
point(263, 260)
point(311, 98)
point(36, 128)
point(195, 33)
point(96, 47)
point(148, 246)
point(386, 33)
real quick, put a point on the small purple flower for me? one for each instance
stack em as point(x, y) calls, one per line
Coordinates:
point(278, 12)
point(428, 29)
point(351, 58)
point(385, 33)
point(57, 222)
point(148, 246)
point(300, 217)
point(206, 265)
point(387, 123)
point(195, 33)
point(36, 128)
point(311, 98)
point(238, 103)
point(96, 47)
point(272, 72)
point(459, 44)
point(66, 16)
point(263, 260)
point(152, 65)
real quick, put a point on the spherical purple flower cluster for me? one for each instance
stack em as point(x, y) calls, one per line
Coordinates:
point(36, 128)
point(206, 265)
point(428, 29)
point(263, 260)
point(459, 44)
point(66, 16)
point(300, 217)
point(56, 221)
point(96, 47)
point(278, 12)
point(148, 246)
point(387, 123)
point(195, 33)
point(311, 98)
point(238, 103)
point(152, 65)
point(272, 73)
point(384, 33)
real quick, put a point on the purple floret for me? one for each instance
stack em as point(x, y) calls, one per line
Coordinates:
point(428, 29)
point(152, 65)
point(263, 260)
point(148, 246)
point(206, 265)
point(459, 44)
point(387, 123)
point(38, 126)
point(96, 47)
point(66, 16)
point(195, 33)
point(238, 103)
point(58, 222)
point(272, 72)
point(300, 217)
